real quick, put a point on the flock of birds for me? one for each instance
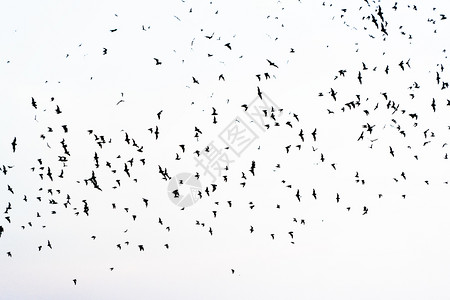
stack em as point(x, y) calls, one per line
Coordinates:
point(107, 172)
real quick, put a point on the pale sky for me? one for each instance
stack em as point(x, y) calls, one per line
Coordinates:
point(398, 249)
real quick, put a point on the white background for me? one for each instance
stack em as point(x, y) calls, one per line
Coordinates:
point(398, 250)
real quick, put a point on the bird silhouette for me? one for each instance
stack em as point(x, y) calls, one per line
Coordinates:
point(272, 64)
point(14, 144)
point(259, 93)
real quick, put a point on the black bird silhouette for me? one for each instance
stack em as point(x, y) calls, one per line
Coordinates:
point(380, 13)
point(197, 130)
point(314, 133)
point(301, 135)
point(272, 64)
point(361, 137)
point(333, 94)
point(252, 168)
point(126, 170)
point(157, 61)
point(298, 195)
point(14, 144)
point(33, 103)
point(156, 132)
point(287, 148)
point(383, 29)
point(259, 93)
point(49, 173)
point(228, 45)
point(374, 21)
